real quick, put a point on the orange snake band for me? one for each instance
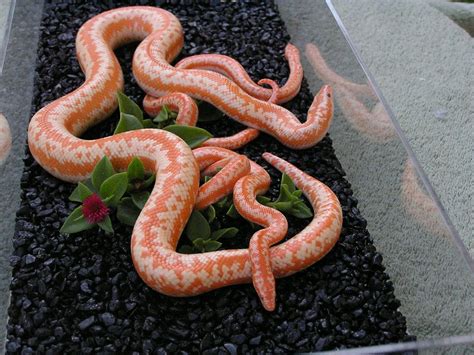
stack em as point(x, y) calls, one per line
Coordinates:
point(188, 116)
point(233, 70)
point(299, 252)
point(187, 108)
point(53, 141)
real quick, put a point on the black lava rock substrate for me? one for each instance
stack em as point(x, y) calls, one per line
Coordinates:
point(81, 293)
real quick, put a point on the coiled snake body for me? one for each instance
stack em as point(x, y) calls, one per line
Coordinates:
point(53, 141)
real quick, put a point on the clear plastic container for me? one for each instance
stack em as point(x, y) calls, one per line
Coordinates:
point(424, 252)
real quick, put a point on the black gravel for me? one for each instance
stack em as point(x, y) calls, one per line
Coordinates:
point(81, 294)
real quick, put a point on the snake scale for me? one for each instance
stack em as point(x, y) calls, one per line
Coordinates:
point(54, 131)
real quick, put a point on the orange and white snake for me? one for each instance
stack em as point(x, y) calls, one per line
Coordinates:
point(53, 140)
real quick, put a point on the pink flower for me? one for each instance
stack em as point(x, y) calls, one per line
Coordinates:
point(94, 209)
